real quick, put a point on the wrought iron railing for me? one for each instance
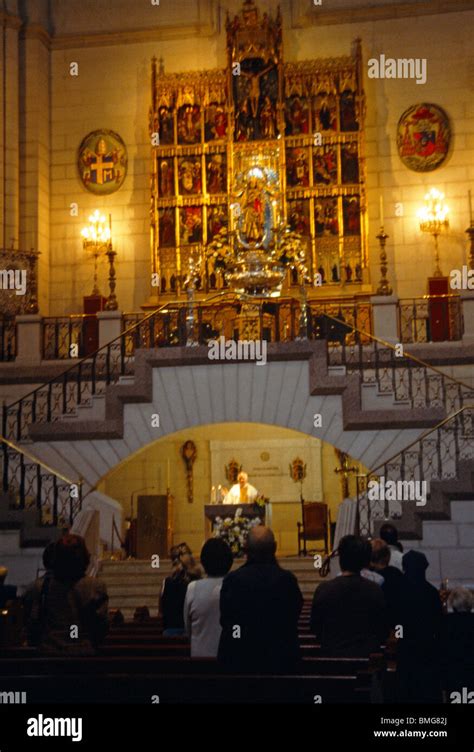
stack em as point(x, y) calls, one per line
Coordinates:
point(65, 337)
point(32, 485)
point(412, 382)
point(7, 339)
point(432, 318)
point(434, 456)
point(279, 321)
point(170, 326)
point(83, 380)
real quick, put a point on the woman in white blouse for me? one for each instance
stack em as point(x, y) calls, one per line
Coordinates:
point(201, 605)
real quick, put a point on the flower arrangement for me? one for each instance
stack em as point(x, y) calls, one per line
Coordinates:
point(260, 502)
point(220, 249)
point(234, 531)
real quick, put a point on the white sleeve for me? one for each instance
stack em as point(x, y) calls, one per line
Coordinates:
point(229, 498)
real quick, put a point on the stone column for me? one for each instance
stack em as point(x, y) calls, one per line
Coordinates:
point(110, 326)
point(10, 127)
point(29, 347)
point(385, 317)
point(35, 141)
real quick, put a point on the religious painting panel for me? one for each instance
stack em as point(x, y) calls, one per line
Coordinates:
point(190, 175)
point(297, 167)
point(327, 259)
point(325, 165)
point(298, 217)
point(166, 177)
point(351, 214)
point(165, 126)
point(190, 224)
point(324, 109)
point(348, 111)
point(325, 216)
point(216, 220)
point(255, 90)
point(192, 110)
point(167, 227)
point(352, 264)
point(167, 268)
point(350, 162)
point(216, 173)
point(189, 124)
point(215, 126)
point(296, 116)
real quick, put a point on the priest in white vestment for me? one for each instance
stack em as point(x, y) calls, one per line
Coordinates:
point(242, 492)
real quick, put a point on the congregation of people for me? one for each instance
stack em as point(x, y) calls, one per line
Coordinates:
point(248, 618)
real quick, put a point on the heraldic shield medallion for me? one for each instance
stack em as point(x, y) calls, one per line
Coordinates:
point(423, 137)
point(102, 162)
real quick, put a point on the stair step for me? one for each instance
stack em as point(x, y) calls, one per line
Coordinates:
point(133, 583)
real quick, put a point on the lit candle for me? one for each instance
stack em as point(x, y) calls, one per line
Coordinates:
point(381, 211)
point(470, 207)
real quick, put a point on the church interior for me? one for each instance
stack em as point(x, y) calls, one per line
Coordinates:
point(236, 293)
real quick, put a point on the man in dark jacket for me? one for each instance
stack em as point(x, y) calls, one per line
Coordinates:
point(260, 605)
point(418, 650)
point(349, 614)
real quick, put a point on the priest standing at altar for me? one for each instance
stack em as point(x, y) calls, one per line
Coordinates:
point(242, 492)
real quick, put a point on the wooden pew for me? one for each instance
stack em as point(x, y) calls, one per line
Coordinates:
point(186, 689)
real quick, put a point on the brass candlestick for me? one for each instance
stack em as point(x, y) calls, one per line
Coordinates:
point(437, 272)
point(384, 286)
point(111, 304)
point(470, 232)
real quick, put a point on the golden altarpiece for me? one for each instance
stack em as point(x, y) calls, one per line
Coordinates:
point(290, 132)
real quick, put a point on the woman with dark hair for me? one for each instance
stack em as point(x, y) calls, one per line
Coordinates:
point(201, 605)
point(69, 611)
point(173, 592)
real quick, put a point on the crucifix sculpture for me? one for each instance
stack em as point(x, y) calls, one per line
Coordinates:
point(344, 470)
point(189, 454)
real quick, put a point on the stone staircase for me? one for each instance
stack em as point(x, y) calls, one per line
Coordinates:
point(81, 426)
point(185, 389)
point(133, 582)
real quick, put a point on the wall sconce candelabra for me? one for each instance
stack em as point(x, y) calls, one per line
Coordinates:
point(433, 219)
point(97, 239)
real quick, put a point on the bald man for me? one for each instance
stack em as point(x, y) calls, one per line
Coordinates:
point(260, 605)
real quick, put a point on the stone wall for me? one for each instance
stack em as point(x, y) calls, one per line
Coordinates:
point(113, 49)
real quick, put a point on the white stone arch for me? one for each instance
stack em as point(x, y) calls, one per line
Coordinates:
point(191, 395)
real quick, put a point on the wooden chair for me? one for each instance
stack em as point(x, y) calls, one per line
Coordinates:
point(315, 526)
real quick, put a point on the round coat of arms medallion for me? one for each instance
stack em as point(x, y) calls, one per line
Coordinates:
point(102, 162)
point(423, 137)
